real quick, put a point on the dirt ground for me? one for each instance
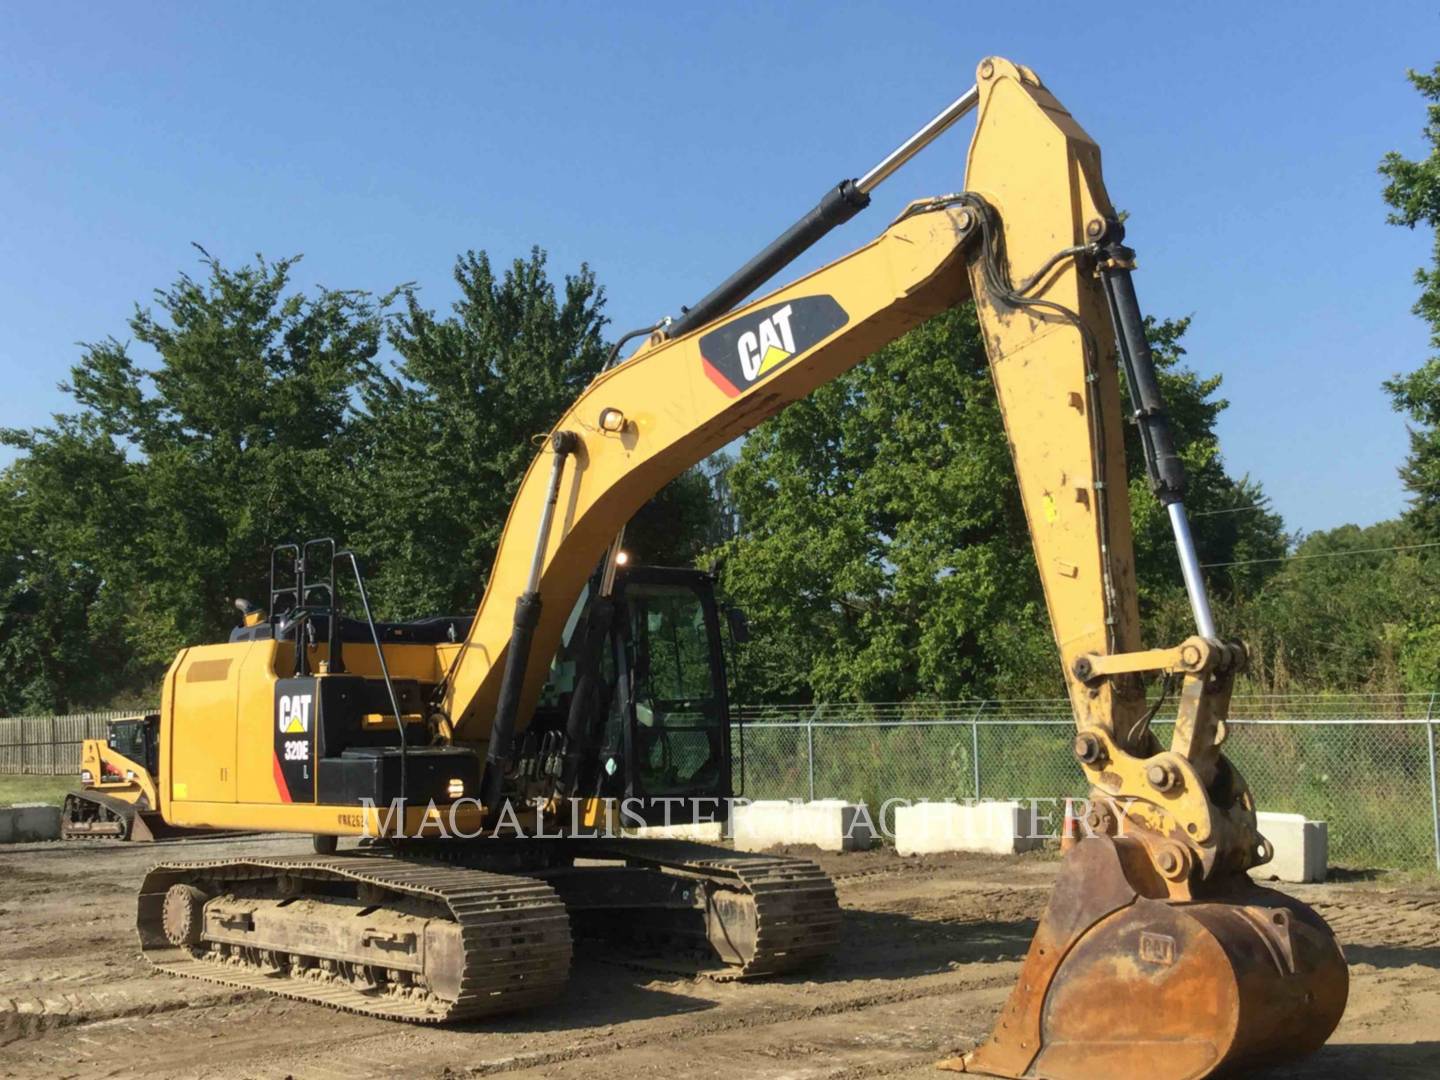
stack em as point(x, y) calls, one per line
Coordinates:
point(930, 948)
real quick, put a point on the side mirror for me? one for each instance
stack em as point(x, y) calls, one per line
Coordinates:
point(739, 625)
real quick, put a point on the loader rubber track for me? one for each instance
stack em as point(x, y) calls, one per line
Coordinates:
point(90, 817)
point(515, 931)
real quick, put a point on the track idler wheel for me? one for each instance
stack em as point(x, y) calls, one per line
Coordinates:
point(183, 916)
point(1119, 984)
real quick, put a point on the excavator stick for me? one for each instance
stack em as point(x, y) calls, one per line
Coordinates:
point(1157, 957)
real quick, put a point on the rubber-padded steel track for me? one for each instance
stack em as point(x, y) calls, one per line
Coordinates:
point(515, 931)
point(796, 912)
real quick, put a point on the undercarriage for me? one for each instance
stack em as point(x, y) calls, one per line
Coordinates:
point(443, 932)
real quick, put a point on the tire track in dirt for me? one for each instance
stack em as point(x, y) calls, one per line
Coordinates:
point(170, 1038)
point(31, 1015)
point(740, 1019)
point(1385, 921)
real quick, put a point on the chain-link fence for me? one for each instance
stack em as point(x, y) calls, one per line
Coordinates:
point(49, 745)
point(1365, 764)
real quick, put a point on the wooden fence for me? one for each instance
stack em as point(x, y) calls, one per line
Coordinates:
point(50, 745)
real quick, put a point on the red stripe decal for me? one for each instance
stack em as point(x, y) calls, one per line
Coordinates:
point(280, 785)
point(718, 379)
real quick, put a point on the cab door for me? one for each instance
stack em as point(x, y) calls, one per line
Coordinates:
point(677, 713)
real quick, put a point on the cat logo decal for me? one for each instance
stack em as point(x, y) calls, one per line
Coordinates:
point(748, 349)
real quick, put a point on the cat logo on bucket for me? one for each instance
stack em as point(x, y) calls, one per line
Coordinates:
point(293, 713)
point(753, 346)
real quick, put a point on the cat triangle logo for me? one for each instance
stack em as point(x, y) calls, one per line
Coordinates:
point(767, 346)
point(294, 714)
point(764, 342)
point(773, 358)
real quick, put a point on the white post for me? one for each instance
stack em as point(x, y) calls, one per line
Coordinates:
point(975, 749)
point(810, 749)
point(1430, 752)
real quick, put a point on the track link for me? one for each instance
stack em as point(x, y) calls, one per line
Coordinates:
point(515, 934)
point(797, 915)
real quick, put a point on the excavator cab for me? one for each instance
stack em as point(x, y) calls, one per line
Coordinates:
point(679, 741)
point(642, 670)
point(634, 708)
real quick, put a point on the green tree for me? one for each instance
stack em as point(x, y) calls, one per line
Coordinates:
point(157, 500)
point(449, 430)
point(1412, 192)
point(679, 525)
point(881, 554)
point(882, 551)
point(268, 416)
point(62, 638)
point(1351, 609)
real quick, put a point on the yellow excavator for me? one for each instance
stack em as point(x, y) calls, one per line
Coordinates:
point(581, 686)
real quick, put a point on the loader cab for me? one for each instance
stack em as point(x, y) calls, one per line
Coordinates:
point(136, 738)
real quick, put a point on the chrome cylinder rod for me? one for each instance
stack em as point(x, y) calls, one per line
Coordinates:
point(547, 518)
point(938, 125)
point(1190, 570)
point(839, 205)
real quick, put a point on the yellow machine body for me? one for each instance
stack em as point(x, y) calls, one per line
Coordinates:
point(111, 773)
point(218, 759)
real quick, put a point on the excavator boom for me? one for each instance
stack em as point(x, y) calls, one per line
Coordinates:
point(642, 423)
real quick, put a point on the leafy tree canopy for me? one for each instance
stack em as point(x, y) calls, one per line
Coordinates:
point(882, 550)
point(1412, 192)
point(160, 495)
point(448, 432)
point(242, 413)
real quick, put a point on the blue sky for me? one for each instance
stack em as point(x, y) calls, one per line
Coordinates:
point(663, 144)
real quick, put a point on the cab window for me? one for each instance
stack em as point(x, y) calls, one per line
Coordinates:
point(679, 722)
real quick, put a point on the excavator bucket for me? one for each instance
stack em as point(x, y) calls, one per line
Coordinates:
point(1118, 984)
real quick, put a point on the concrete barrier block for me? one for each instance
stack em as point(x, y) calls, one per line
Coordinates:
point(995, 828)
point(829, 824)
point(29, 823)
point(1302, 848)
point(703, 832)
